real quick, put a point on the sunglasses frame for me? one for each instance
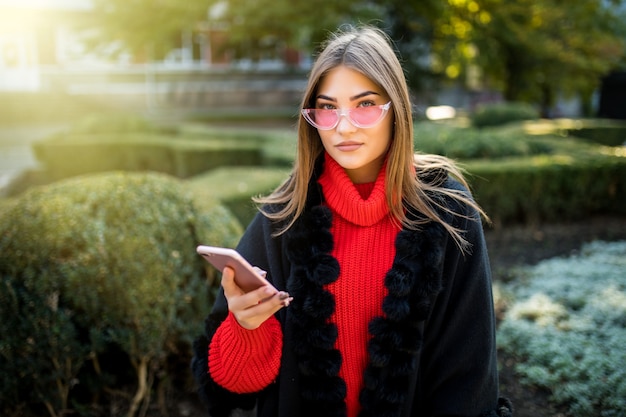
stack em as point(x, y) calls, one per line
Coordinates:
point(346, 113)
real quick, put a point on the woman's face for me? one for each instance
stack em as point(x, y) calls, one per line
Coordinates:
point(360, 151)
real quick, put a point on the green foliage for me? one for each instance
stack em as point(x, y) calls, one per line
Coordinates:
point(549, 188)
point(522, 178)
point(502, 113)
point(40, 351)
point(235, 186)
point(100, 261)
point(115, 123)
point(535, 49)
point(277, 145)
point(604, 132)
point(141, 27)
point(468, 143)
point(567, 329)
point(254, 28)
point(141, 151)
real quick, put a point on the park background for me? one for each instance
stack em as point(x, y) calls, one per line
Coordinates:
point(132, 131)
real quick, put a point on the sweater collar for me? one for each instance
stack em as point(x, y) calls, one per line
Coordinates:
point(351, 201)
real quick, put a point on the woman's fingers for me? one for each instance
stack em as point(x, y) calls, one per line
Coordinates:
point(253, 308)
point(253, 316)
point(231, 289)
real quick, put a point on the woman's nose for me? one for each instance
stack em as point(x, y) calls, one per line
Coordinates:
point(345, 124)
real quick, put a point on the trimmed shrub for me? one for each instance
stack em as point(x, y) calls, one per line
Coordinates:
point(549, 188)
point(41, 352)
point(234, 187)
point(72, 155)
point(468, 143)
point(502, 113)
point(603, 132)
point(566, 329)
point(523, 178)
point(100, 276)
point(115, 123)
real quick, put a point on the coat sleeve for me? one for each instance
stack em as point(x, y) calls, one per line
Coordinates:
point(459, 353)
point(221, 402)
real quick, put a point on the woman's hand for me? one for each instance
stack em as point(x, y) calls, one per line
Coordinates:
point(253, 308)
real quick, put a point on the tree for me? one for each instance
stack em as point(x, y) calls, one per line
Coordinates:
point(257, 25)
point(411, 25)
point(149, 28)
point(146, 29)
point(532, 49)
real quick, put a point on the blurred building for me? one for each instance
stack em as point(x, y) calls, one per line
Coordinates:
point(41, 52)
point(35, 34)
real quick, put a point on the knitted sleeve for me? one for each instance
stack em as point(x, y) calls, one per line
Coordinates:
point(245, 361)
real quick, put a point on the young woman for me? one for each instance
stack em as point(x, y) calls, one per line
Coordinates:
point(383, 303)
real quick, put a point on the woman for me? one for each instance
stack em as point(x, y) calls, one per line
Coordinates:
point(383, 258)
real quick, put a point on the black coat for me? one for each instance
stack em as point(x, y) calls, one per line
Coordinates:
point(432, 354)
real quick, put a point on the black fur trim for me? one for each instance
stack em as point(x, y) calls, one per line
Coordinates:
point(308, 245)
point(503, 409)
point(413, 282)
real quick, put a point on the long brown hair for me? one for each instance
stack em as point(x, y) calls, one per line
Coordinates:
point(369, 51)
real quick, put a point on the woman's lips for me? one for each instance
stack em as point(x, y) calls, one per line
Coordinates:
point(348, 146)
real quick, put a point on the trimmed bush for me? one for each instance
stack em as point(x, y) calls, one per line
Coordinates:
point(71, 155)
point(603, 132)
point(100, 276)
point(116, 123)
point(235, 187)
point(549, 188)
point(468, 143)
point(502, 113)
point(566, 329)
point(522, 178)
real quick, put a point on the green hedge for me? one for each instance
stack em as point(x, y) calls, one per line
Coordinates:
point(550, 187)
point(74, 154)
point(469, 143)
point(519, 177)
point(498, 114)
point(604, 132)
point(234, 187)
point(101, 288)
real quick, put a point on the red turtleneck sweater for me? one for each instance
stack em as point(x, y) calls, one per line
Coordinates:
point(247, 361)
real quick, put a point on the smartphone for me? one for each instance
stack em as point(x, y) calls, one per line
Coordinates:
point(246, 277)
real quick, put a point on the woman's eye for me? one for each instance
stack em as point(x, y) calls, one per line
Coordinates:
point(325, 106)
point(367, 103)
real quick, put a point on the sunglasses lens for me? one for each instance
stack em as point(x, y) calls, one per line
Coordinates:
point(366, 116)
point(324, 118)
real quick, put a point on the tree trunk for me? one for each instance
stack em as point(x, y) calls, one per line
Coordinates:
point(142, 388)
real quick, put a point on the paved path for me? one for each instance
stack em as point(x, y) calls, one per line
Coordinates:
point(15, 149)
